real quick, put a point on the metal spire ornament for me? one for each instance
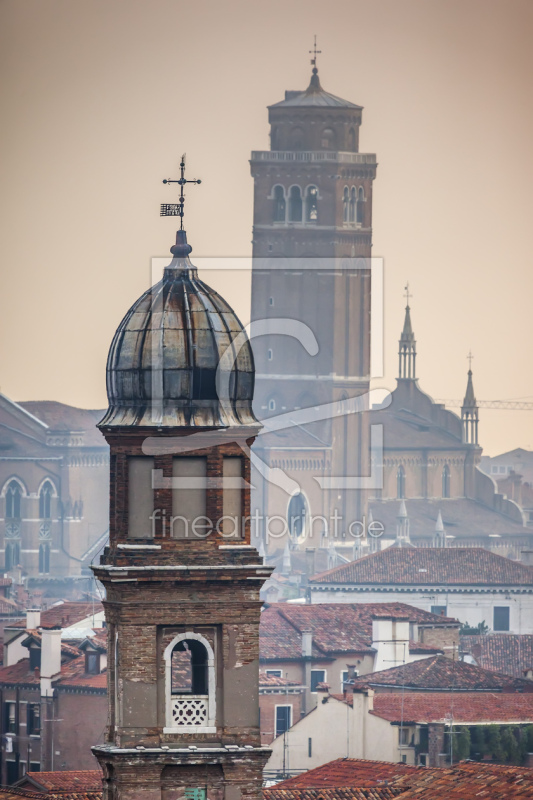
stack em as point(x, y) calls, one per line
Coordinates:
point(177, 209)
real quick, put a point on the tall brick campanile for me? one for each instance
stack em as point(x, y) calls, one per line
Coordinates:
point(181, 578)
point(312, 226)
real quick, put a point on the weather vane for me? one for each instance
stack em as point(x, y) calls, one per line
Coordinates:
point(407, 294)
point(177, 209)
point(315, 53)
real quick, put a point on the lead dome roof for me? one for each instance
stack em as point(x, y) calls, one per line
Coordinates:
point(163, 360)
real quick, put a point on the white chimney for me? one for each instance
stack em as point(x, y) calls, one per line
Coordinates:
point(33, 618)
point(307, 643)
point(50, 660)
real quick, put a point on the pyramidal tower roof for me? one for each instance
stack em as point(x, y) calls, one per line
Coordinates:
point(314, 95)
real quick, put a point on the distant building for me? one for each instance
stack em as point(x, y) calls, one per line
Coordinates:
point(501, 652)
point(53, 691)
point(472, 585)
point(326, 643)
point(513, 473)
point(280, 704)
point(54, 479)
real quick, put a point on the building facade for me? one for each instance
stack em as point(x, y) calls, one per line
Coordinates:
point(54, 479)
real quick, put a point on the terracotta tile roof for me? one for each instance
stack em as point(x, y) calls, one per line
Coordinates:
point(86, 780)
point(424, 707)
point(274, 680)
point(345, 772)
point(450, 566)
point(341, 793)
point(72, 675)
point(337, 627)
point(502, 652)
point(469, 780)
point(440, 672)
point(65, 614)
point(15, 794)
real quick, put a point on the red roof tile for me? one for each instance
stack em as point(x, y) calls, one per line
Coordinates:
point(61, 417)
point(451, 566)
point(424, 707)
point(336, 627)
point(344, 772)
point(86, 780)
point(274, 680)
point(501, 652)
point(342, 793)
point(72, 675)
point(65, 614)
point(440, 672)
point(469, 780)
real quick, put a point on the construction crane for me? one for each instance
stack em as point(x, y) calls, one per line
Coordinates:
point(502, 405)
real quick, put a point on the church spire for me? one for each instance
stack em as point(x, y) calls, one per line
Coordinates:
point(469, 409)
point(440, 533)
point(402, 527)
point(407, 345)
point(314, 85)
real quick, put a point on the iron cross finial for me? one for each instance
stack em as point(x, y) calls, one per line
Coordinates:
point(470, 357)
point(177, 209)
point(407, 294)
point(315, 53)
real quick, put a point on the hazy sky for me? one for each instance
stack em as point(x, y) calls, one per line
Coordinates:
point(100, 98)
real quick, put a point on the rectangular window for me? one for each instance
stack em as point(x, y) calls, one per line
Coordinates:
point(12, 772)
point(501, 618)
point(283, 719)
point(232, 497)
point(344, 676)
point(403, 736)
point(10, 717)
point(35, 658)
point(189, 498)
point(35, 766)
point(440, 611)
point(317, 676)
point(92, 663)
point(34, 719)
point(309, 748)
point(275, 672)
point(140, 498)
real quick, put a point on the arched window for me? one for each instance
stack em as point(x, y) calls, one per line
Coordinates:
point(297, 515)
point(446, 481)
point(271, 404)
point(328, 139)
point(44, 559)
point(295, 204)
point(346, 204)
point(45, 500)
point(13, 498)
point(12, 555)
point(279, 204)
point(190, 685)
point(311, 204)
point(351, 140)
point(400, 483)
point(353, 204)
point(270, 354)
point(360, 206)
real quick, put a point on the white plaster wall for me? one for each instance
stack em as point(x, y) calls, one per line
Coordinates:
point(467, 606)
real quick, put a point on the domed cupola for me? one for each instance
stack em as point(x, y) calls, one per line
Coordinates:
point(163, 361)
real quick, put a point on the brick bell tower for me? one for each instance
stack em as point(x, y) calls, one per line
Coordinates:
point(181, 578)
point(313, 205)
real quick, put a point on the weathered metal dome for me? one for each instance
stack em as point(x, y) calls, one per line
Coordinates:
point(163, 361)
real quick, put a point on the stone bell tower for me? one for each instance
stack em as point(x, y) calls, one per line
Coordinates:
point(312, 240)
point(181, 578)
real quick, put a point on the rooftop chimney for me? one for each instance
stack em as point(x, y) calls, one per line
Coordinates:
point(50, 660)
point(33, 618)
point(307, 642)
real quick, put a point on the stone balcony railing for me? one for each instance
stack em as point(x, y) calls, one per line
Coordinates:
point(313, 155)
point(189, 710)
